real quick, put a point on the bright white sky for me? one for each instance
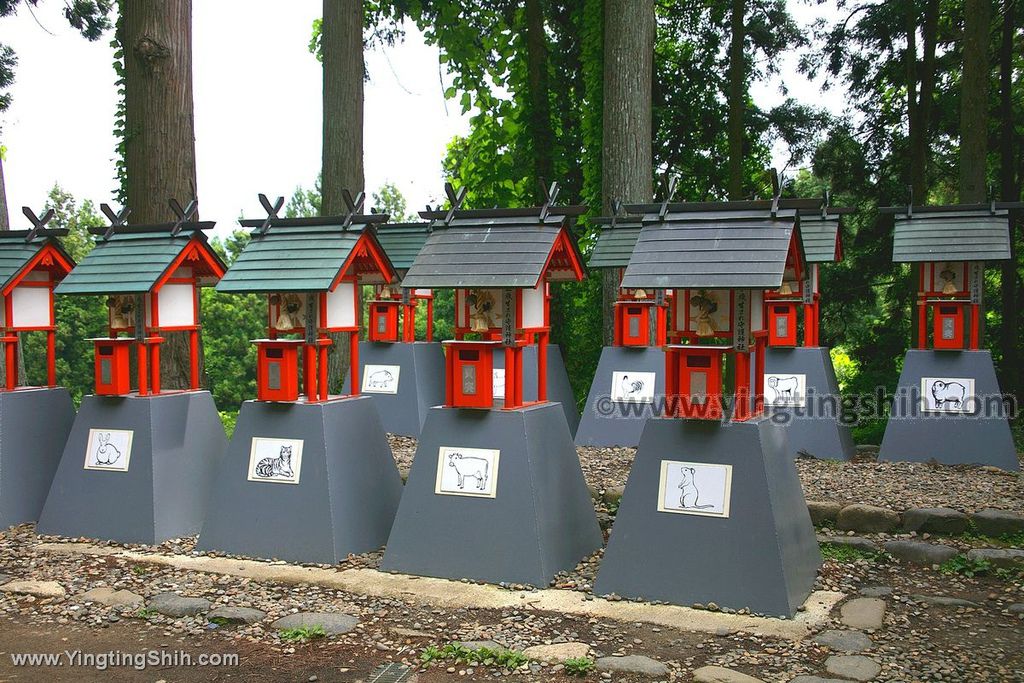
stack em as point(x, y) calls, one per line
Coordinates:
point(257, 109)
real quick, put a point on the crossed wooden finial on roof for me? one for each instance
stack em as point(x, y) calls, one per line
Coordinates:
point(669, 184)
point(184, 215)
point(455, 198)
point(271, 210)
point(353, 204)
point(37, 223)
point(116, 219)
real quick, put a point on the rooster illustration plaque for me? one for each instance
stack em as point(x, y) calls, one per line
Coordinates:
point(633, 387)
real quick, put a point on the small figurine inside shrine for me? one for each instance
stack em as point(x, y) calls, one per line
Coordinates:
point(490, 457)
point(149, 451)
point(34, 420)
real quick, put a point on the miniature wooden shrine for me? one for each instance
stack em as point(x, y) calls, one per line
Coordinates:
point(34, 420)
point(719, 504)
point(136, 442)
point(948, 406)
point(317, 465)
point(405, 376)
point(536, 505)
point(631, 372)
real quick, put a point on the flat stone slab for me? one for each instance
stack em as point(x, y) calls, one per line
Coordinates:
point(4, 578)
point(39, 589)
point(876, 591)
point(1016, 608)
point(237, 615)
point(863, 613)
point(935, 520)
point(632, 664)
point(557, 653)
point(919, 552)
point(867, 519)
point(844, 641)
point(943, 601)
point(481, 645)
point(719, 674)
point(997, 522)
point(333, 623)
point(817, 679)
point(105, 595)
point(1001, 558)
point(177, 606)
point(858, 542)
point(856, 667)
point(823, 511)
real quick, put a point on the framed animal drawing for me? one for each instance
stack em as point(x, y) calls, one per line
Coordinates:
point(785, 389)
point(109, 449)
point(947, 394)
point(381, 379)
point(275, 461)
point(467, 472)
point(695, 488)
point(633, 387)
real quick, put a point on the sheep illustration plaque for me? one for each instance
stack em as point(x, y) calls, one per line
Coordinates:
point(467, 472)
point(276, 461)
point(381, 379)
point(947, 394)
point(785, 389)
point(108, 449)
point(694, 488)
point(633, 387)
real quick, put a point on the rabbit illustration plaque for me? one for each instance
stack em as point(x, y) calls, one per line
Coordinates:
point(695, 488)
point(108, 449)
point(785, 389)
point(948, 394)
point(633, 387)
point(467, 472)
point(275, 461)
point(381, 379)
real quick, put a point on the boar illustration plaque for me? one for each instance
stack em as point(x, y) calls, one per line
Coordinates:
point(108, 449)
point(275, 461)
point(694, 488)
point(381, 379)
point(467, 472)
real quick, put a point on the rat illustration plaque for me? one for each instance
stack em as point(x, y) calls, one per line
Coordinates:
point(467, 472)
point(276, 461)
point(633, 387)
point(786, 389)
point(947, 394)
point(108, 449)
point(381, 379)
point(694, 488)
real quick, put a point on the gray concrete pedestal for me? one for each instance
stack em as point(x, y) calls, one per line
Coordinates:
point(814, 429)
point(611, 417)
point(518, 516)
point(761, 554)
point(150, 492)
point(340, 497)
point(34, 426)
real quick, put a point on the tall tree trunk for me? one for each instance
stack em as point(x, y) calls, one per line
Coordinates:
point(974, 100)
point(920, 119)
point(736, 98)
point(627, 169)
point(5, 217)
point(1009, 191)
point(342, 168)
point(160, 157)
point(539, 118)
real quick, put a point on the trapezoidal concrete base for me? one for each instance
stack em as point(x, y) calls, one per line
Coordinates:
point(628, 384)
point(405, 381)
point(712, 512)
point(948, 408)
point(559, 388)
point(34, 426)
point(136, 469)
point(496, 496)
point(334, 494)
point(814, 429)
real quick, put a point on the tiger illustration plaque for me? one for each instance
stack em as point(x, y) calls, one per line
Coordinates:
point(108, 449)
point(633, 387)
point(947, 394)
point(275, 461)
point(467, 472)
point(695, 488)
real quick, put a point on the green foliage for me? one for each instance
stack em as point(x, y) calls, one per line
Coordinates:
point(302, 634)
point(579, 666)
point(839, 552)
point(229, 419)
point(389, 199)
point(459, 654)
point(961, 564)
point(145, 613)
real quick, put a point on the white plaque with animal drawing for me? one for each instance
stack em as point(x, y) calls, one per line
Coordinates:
point(695, 488)
point(498, 383)
point(109, 449)
point(947, 394)
point(276, 461)
point(785, 389)
point(467, 472)
point(633, 387)
point(381, 379)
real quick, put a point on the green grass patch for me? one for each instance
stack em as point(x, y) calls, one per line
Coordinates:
point(579, 666)
point(144, 613)
point(964, 566)
point(303, 634)
point(839, 552)
point(460, 654)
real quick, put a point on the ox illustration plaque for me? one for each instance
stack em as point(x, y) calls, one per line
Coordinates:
point(947, 394)
point(381, 379)
point(785, 389)
point(633, 387)
point(276, 461)
point(695, 488)
point(108, 449)
point(467, 472)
